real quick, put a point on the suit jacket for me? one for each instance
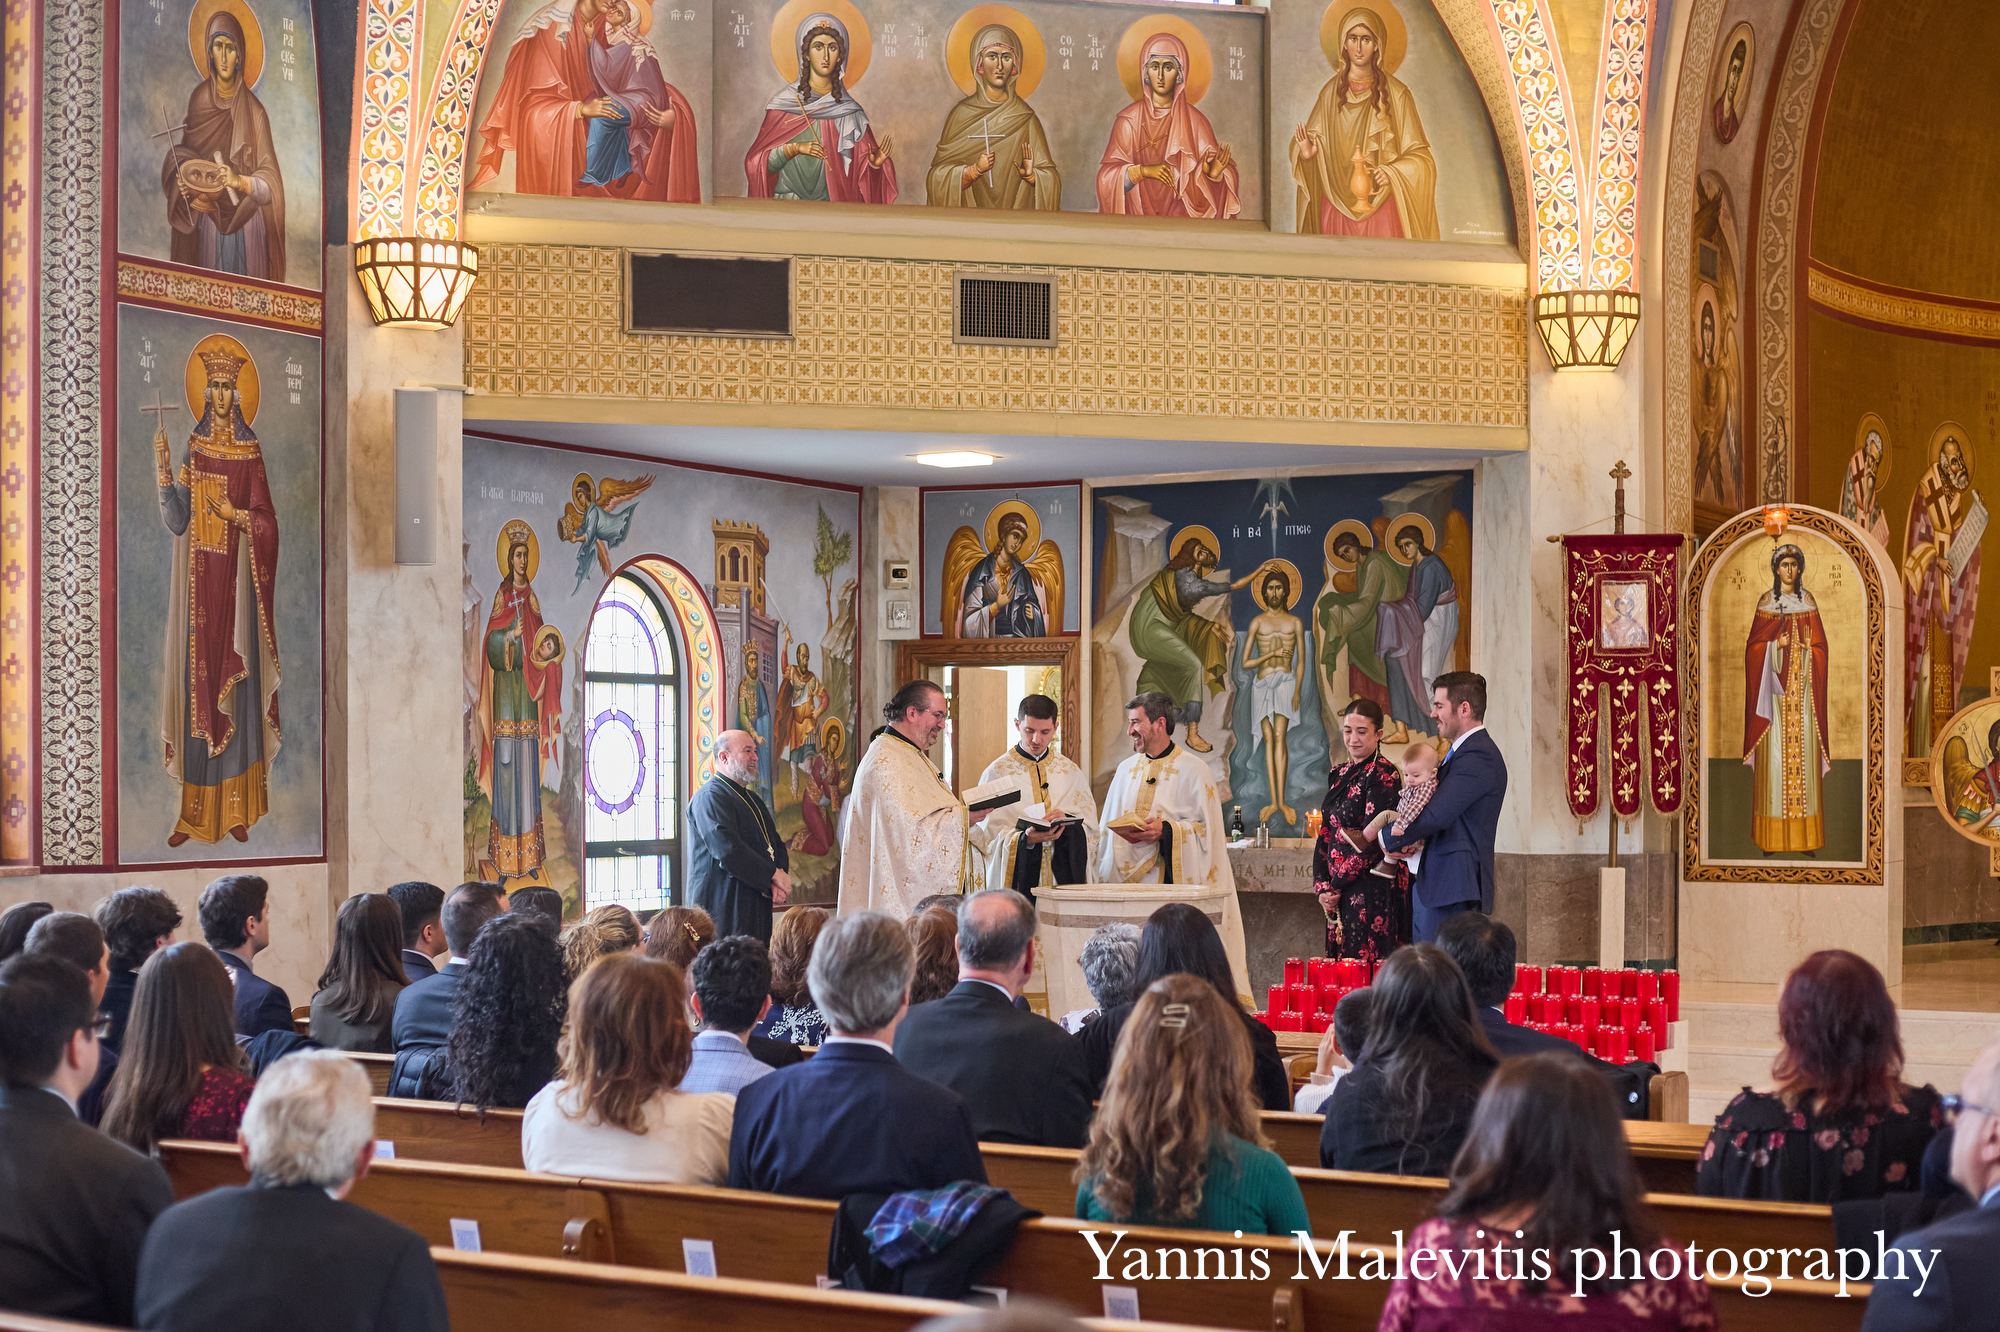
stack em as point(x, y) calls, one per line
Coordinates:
point(1510, 1040)
point(290, 1257)
point(1458, 826)
point(1268, 1077)
point(260, 1005)
point(1363, 1133)
point(733, 851)
point(1963, 1288)
point(1022, 1077)
point(117, 1005)
point(74, 1209)
point(417, 965)
point(850, 1120)
point(778, 1054)
point(423, 1009)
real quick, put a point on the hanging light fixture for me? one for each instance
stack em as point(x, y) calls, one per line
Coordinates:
point(415, 282)
point(1586, 330)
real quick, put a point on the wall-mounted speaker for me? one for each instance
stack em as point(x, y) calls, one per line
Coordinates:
point(416, 475)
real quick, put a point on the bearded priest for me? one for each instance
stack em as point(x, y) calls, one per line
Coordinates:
point(1025, 858)
point(738, 867)
point(1162, 817)
point(903, 831)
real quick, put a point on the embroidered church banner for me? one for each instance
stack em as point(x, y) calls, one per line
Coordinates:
point(1622, 644)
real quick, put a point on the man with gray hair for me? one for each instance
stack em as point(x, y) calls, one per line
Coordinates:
point(852, 1119)
point(1021, 1075)
point(1110, 959)
point(286, 1249)
point(738, 866)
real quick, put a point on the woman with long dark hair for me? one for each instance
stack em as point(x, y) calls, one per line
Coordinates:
point(1838, 1123)
point(934, 934)
point(1176, 1141)
point(180, 1072)
point(1407, 1106)
point(1545, 1174)
point(506, 1015)
point(794, 1017)
point(1180, 938)
point(357, 993)
point(1367, 914)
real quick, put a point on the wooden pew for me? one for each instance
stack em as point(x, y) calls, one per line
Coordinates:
point(377, 1067)
point(440, 1131)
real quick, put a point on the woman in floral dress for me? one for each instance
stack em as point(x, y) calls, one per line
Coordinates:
point(1367, 915)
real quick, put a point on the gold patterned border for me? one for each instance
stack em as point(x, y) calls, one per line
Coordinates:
point(546, 321)
point(210, 294)
point(1683, 166)
point(1918, 312)
point(19, 181)
point(1694, 867)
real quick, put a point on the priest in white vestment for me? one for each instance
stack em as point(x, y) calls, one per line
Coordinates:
point(1026, 859)
point(1168, 802)
point(903, 831)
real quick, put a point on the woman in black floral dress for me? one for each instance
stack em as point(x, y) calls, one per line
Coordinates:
point(1367, 915)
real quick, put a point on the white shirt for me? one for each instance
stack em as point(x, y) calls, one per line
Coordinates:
point(981, 980)
point(858, 1040)
point(1416, 862)
point(686, 1139)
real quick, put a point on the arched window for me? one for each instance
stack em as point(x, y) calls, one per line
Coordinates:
point(631, 752)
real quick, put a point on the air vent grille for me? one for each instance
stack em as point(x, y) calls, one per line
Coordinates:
point(728, 295)
point(1006, 309)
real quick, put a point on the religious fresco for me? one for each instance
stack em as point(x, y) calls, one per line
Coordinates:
point(219, 639)
point(219, 138)
point(1377, 128)
point(596, 99)
point(1965, 771)
point(754, 581)
point(1730, 82)
point(1264, 606)
point(1716, 343)
point(1003, 562)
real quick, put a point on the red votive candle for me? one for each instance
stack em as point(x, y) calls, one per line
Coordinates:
point(1277, 1001)
point(1656, 1017)
point(1628, 983)
point(1295, 971)
point(1613, 1045)
point(1530, 979)
point(1517, 1008)
point(1321, 1021)
point(1593, 981)
point(1642, 1045)
point(1588, 1012)
point(1670, 990)
point(1628, 1017)
point(1649, 985)
point(1300, 997)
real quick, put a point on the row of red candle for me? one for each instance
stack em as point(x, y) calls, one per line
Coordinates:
point(1589, 1014)
point(1596, 983)
point(1319, 972)
point(1307, 998)
point(1612, 1044)
point(1317, 1021)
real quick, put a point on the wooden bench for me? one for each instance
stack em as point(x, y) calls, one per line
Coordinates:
point(377, 1067)
point(1666, 1154)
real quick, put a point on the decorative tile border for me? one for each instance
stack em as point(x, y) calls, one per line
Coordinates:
point(20, 188)
point(546, 321)
point(71, 414)
point(1621, 135)
point(1921, 313)
point(1542, 108)
point(391, 36)
point(1683, 165)
point(216, 295)
point(448, 126)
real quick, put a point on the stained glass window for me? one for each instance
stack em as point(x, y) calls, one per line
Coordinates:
point(631, 752)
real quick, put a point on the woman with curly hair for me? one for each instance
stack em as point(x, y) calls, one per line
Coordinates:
point(602, 931)
point(1176, 1141)
point(356, 1001)
point(615, 1113)
point(180, 1072)
point(1838, 1123)
point(678, 933)
point(506, 1015)
point(794, 1017)
point(934, 934)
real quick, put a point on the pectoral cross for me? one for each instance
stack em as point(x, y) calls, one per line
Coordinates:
point(985, 135)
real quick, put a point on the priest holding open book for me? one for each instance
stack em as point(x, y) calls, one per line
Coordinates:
point(1162, 817)
point(1049, 837)
point(903, 831)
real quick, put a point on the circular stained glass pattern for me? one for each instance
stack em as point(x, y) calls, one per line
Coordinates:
point(614, 761)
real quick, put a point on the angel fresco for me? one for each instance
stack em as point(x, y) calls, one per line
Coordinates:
point(588, 519)
point(991, 591)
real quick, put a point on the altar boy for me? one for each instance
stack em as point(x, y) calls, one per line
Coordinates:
point(1022, 858)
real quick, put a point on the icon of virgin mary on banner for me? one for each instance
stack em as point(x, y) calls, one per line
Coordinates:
point(1784, 712)
point(520, 707)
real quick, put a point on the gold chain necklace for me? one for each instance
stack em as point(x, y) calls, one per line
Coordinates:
point(770, 833)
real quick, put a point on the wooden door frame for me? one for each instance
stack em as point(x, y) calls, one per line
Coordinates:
point(914, 656)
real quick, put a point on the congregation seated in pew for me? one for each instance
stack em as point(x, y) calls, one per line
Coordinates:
point(602, 932)
point(75, 938)
point(539, 901)
point(1544, 1180)
point(1338, 1049)
point(286, 1250)
point(422, 905)
point(16, 921)
point(1181, 938)
point(1109, 962)
point(181, 1073)
point(235, 913)
point(1175, 1141)
point(729, 991)
point(506, 1015)
point(423, 1019)
point(678, 933)
point(794, 1017)
point(1838, 1122)
point(1406, 1107)
point(137, 922)
point(356, 1000)
point(617, 1111)
point(934, 936)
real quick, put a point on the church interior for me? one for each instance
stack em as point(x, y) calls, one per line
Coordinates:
point(427, 426)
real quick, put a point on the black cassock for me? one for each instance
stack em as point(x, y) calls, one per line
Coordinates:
point(733, 850)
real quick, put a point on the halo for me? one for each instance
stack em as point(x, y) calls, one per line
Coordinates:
point(1034, 541)
point(785, 38)
point(253, 38)
point(1397, 524)
point(585, 479)
point(833, 739)
point(1333, 26)
point(548, 632)
point(1971, 723)
point(1361, 530)
point(958, 46)
point(1946, 430)
point(509, 529)
point(1285, 567)
point(1194, 530)
point(643, 13)
point(1201, 62)
point(1718, 76)
point(248, 387)
point(1870, 421)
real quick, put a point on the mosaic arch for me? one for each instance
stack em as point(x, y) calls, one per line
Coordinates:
point(694, 618)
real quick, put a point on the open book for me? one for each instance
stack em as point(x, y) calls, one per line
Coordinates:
point(991, 795)
point(1040, 818)
point(1126, 821)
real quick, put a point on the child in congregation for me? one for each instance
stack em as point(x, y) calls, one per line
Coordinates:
point(1420, 783)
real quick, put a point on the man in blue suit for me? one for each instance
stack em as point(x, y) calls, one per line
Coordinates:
point(1457, 827)
point(852, 1119)
point(236, 922)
